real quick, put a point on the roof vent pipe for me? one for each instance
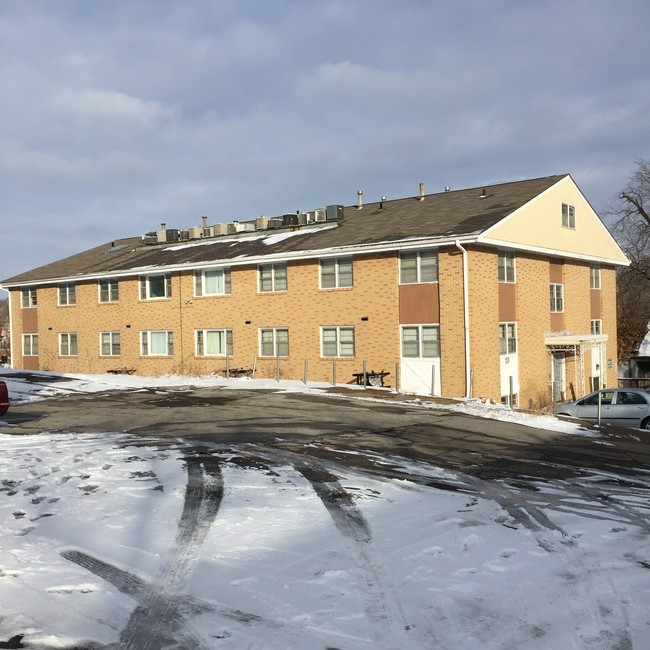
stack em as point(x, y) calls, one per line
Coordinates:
point(205, 222)
point(381, 203)
point(359, 199)
point(483, 194)
point(163, 226)
point(447, 188)
point(421, 191)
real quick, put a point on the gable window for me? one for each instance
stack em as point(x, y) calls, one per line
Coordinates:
point(506, 266)
point(336, 273)
point(213, 282)
point(109, 344)
point(67, 295)
point(418, 267)
point(30, 345)
point(157, 343)
point(155, 287)
point(597, 326)
point(421, 341)
point(28, 298)
point(568, 216)
point(594, 277)
point(274, 342)
point(557, 297)
point(507, 338)
point(68, 344)
point(337, 341)
point(213, 343)
point(108, 290)
point(272, 277)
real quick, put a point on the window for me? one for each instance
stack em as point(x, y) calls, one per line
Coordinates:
point(421, 341)
point(506, 266)
point(109, 344)
point(597, 326)
point(557, 297)
point(213, 343)
point(568, 216)
point(67, 295)
point(68, 344)
point(594, 277)
point(274, 342)
point(418, 266)
point(155, 287)
point(108, 290)
point(157, 343)
point(606, 397)
point(30, 345)
point(630, 398)
point(28, 298)
point(336, 273)
point(272, 277)
point(337, 341)
point(214, 282)
point(507, 338)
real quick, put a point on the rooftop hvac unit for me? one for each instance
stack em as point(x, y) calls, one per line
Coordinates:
point(172, 234)
point(276, 222)
point(302, 219)
point(220, 229)
point(290, 219)
point(320, 214)
point(236, 227)
point(195, 232)
point(334, 212)
point(261, 223)
point(183, 235)
point(208, 231)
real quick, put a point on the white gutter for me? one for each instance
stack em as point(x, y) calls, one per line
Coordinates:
point(11, 336)
point(468, 380)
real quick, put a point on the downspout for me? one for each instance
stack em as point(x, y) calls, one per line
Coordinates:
point(468, 381)
point(11, 333)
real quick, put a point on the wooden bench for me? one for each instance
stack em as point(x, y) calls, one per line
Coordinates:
point(237, 372)
point(121, 371)
point(371, 378)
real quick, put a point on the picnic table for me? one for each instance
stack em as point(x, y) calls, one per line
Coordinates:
point(371, 378)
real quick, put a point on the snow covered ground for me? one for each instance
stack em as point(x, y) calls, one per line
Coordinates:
point(110, 541)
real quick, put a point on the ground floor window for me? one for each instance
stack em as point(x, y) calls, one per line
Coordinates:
point(109, 343)
point(157, 343)
point(30, 345)
point(213, 342)
point(337, 341)
point(68, 344)
point(274, 342)
point(507, 338)
point(421, 341)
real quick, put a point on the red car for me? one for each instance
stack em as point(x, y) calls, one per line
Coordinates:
point(4, 398)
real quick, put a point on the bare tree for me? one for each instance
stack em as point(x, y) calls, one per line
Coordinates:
point(631, 227)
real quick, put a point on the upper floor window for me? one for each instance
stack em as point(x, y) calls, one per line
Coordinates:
point(557, 297)
point(418, 266)
point(109, 344)
point(67, 294)
point(213, 282)
point(273, 277)
point(213, 343)
point(594, 277)
point(274, 342)
point(30, 345)
point(68, 344)
point(336, 272)
point(507, 338)
point(28, 298)
point(568, 216)
point(597, 326)
point(421, 341)
point(108, 290)
point(506, 266)
point(157, 343)
point(154, 287)
point(337, 341)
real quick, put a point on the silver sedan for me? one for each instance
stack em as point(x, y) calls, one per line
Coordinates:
point(626, 407)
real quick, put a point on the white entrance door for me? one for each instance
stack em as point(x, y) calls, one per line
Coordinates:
point(509, 363)
point(420, 362)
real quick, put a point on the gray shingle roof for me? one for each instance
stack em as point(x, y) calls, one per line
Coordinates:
point(443, 215)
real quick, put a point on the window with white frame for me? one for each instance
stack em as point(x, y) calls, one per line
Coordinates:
point(274, 342)
point(594, 277)
point(28, 298)
point(67, 294)
point(68, 344)
point(30, 345)
point(421, 341)
point(108, 290)
point(212, 282)
point(336, 273)
point(557, 297)
point(157, 343)
point(272, 277)
point(418, 267)
point(337, 341)
point(568, 216)
point(507, 338)
point(596, 326)
point(109, 344)
point(155, 287)
point(506, 266)
point(213, 343)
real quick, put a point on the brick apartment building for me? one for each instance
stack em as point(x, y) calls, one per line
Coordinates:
point(506, 291)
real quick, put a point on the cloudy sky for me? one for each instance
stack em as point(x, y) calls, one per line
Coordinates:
point(119, 115)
